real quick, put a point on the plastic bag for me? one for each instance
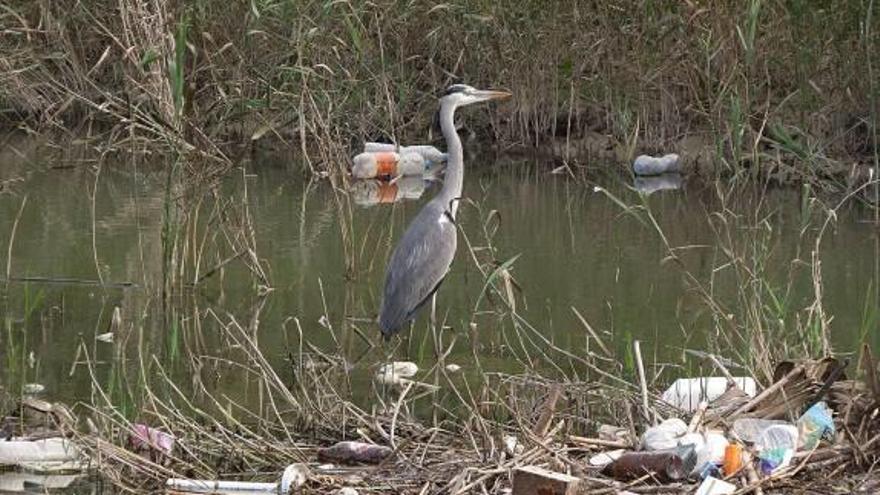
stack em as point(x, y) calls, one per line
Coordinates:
point(815, 424)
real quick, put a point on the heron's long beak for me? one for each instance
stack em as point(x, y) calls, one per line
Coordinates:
point(485, 95)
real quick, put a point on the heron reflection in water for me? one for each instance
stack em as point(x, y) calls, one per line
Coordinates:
point(422, 258)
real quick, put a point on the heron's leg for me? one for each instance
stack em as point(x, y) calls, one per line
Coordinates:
point(434, 311)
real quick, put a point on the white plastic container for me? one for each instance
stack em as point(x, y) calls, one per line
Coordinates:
point(714, 486)
point(687, 393)
point(650, 165)
point(432, 155)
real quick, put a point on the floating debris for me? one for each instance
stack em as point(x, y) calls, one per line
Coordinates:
point(394, 373)
point(429, 153)
point(42, 455)
point(650, 165)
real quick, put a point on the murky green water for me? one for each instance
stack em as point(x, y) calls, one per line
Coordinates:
point(576, 249)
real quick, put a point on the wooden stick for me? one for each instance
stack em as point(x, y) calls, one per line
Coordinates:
point(730, 379)
point(768, 391)
point(598, 442)
point(642, 381)
point(592, 332)
point(549, 410)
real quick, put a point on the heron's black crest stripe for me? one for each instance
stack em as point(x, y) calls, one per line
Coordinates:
point(455, 88)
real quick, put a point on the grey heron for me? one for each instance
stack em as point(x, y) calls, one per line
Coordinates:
point(422, 258)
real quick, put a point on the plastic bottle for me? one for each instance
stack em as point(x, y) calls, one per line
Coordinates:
point(776, 446)
point(732, 459)
point(667, 465)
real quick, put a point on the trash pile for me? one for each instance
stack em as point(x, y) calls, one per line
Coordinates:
point(707, 435)
point(722, 436)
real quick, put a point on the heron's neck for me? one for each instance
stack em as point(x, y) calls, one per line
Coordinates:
point(454, 175)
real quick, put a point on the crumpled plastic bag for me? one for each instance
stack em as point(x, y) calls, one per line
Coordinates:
point(814, 425)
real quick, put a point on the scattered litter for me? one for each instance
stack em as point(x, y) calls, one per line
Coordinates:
point(815, 424)
point(430, 154)
point(512, 446)
point(614, 433)
point(43, 455)
point(144, 437)
point(346, 490)
point(687, 393)
point(294, 476)
point(380, 160)
point(667, 465)
point(750, 429)
point(603, 459)
point(392, 373)
point(105, 337)
point(354, 452)
point(33, 388)
point(649, 165)
point(664, 436)
point(776, 446)
point(714, 486)
point(453, 368)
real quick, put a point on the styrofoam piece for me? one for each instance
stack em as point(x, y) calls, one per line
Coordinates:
point(48, 454)
point(687, 393)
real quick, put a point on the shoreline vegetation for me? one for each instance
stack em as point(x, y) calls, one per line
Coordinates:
point(786, 90)
point(752, 92)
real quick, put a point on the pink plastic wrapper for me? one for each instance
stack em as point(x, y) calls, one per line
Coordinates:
point(145, 437)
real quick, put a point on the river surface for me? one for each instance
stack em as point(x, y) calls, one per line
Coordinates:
point(86, 243)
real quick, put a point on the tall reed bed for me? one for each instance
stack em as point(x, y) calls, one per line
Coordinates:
point(755, 84)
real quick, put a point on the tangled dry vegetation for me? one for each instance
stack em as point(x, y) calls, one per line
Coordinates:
point(778, 87)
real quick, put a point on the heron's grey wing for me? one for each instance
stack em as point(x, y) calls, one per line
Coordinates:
point(417, 266)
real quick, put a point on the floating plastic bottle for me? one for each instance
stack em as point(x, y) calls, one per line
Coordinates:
point(431, 155)
point(650, 165)
point(387, 164)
